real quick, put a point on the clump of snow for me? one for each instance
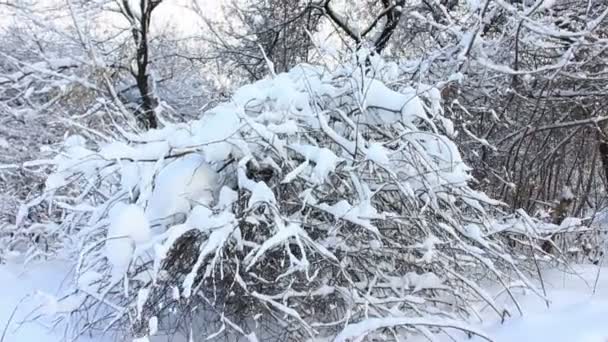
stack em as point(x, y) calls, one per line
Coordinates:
point(186, 181)
point(566, 194)
point(4, 143)
point(325, 160)
point(378, 154)
point(359, 214)
point(153, 325)
point(128, 227)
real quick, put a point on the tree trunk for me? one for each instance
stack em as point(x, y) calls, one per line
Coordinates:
point(140, 27)
point(603, 148)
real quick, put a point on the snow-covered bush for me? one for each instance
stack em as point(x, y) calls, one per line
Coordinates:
point(579, 240)
point(50, 88)
point(319, 203)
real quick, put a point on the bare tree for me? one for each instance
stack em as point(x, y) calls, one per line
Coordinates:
point(385, 21)
point(261, 30)
point(139, 19)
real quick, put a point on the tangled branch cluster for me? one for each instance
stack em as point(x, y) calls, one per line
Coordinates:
point(320, 203)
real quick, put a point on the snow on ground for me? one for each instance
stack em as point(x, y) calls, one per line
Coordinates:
point(22, 293)
point(575, 313)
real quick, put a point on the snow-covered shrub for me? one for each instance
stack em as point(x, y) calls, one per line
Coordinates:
point(46, 96)
point(579, 240)
point(316, 203)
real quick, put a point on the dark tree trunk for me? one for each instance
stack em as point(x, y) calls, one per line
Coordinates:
point(392, 11)
point(392, 20)
point(140, 27)
point(603, 148)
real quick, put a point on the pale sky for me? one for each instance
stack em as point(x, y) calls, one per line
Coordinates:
point(169, 14)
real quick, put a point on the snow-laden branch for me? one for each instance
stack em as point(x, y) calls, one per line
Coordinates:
point(311, 199)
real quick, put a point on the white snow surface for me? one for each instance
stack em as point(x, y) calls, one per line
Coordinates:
point(575, 313)
point(22, 291)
